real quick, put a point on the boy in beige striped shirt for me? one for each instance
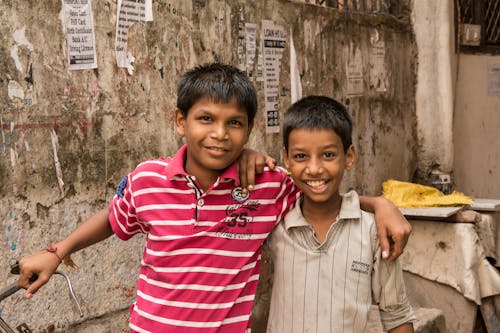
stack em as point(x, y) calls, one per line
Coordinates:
point(328, 269)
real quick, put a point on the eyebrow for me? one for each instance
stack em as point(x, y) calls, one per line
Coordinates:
point(322, 147)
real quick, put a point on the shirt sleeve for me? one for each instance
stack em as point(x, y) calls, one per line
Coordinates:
point(122, 214)
point(388, 290)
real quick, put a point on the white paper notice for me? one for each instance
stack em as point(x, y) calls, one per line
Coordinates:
point(80, 37)
point(354, 72)
point(273, 44)
point(129, 12)
point(494, 80)
point(378, 72)
point(260, 65)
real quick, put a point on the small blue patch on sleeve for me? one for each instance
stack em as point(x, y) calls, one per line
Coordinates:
point(121, 187)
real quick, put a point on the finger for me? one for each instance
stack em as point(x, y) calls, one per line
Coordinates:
point(33, 288)
point(242, 170)
point(252, 165)
point(400, 239)
point(23, 281)
point(270, 162)
point(260, 163)
point(396, 250)
point(384, 244)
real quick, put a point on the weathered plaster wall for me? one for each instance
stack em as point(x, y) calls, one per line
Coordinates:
point(476, 124)
point(68, 137)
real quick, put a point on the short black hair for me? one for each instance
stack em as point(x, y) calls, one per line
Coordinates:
point(219, 82)
point(316, 113)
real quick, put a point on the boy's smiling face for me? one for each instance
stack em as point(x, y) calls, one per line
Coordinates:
point(316, 161)
point(215, 134)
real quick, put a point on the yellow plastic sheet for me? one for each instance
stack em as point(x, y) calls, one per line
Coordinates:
point(410, 195)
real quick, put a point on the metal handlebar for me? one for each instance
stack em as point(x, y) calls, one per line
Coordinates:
point(13, 288)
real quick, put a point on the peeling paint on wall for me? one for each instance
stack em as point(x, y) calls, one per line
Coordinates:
point(57, 165)
point(20, 39)
point(15, 90)
point(128, 13)
point(10, 239)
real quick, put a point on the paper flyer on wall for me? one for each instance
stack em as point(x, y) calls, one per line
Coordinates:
point(273, 45)
point(80, 38)
point(378, 72)
point(128, 13)
point(494, 80)
point(355, 83)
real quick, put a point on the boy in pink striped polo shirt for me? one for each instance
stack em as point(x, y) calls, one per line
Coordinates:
point(200, 266)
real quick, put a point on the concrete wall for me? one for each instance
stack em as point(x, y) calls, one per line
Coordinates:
point(457, 121)
point(68, 137)
point(476, 129)
point(433, 25)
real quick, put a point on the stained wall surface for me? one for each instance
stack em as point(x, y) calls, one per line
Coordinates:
point(476, 122)
point(68, 137)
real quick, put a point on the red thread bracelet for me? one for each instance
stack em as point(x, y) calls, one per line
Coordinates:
point(52, 248)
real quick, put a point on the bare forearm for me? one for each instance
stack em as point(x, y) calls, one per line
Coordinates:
point(92, 231)
point(43, 263)
point(368, 204)
point(405, 328)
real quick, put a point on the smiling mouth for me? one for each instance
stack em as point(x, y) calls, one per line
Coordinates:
point(217, 149)
point(316, 184)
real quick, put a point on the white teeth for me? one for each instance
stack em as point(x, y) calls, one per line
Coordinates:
point(315, 183)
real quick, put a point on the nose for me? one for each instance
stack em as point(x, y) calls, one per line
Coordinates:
point(219, 132)
point(314, 166)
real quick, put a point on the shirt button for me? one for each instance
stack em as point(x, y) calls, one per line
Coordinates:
point(201, 202)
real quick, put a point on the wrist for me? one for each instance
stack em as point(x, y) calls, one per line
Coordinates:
point(52, 248)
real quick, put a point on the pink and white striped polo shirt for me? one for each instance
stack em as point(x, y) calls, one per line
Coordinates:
point(200, 266)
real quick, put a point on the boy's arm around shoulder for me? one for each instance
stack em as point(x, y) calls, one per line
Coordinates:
point(392, 227)
point(250, 164)
point(44, 263)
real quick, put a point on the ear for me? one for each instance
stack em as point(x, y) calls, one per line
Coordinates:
point(250, 127)
point(180, 122)
point(350, 158)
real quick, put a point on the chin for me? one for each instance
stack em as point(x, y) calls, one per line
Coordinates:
point(317, 198)
point(218, 165)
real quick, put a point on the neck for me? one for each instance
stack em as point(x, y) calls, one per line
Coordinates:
point(321, 215)
point(321, 212)
point(205, 178)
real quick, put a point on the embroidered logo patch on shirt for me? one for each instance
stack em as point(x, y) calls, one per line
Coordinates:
point(121, 187)
point(237, 194)
point(360, 267)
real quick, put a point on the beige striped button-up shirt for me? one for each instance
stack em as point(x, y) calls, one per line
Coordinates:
point(330, 286)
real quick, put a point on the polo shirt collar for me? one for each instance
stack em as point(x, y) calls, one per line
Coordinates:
point(350, 209)
point(176, 167)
